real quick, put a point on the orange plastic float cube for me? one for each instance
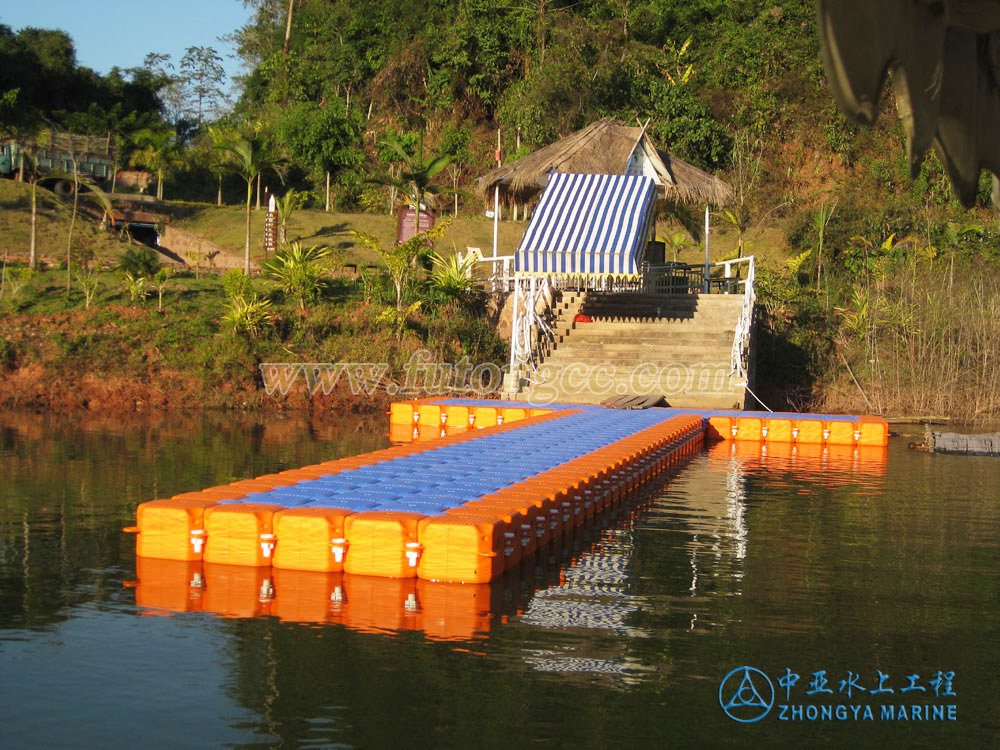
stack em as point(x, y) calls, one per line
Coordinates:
point(382, 543)
point(526, 515)
point(430, 414)
point(779, 430)
point(484, 416)
point(839, 432)
point(873, 431)
point(215, 494)
point(303, 595)
point(456, 416)
point(808, 431)
point(238, 590)
point(401, 413)
point(513, 414)
point(240, 534)
point(749, 428)
point(172, 529)
point(310, 539)
point(464, 548)
point(169, 585)
point(720, 428)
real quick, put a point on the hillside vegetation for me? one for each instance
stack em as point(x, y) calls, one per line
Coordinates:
point(880, 293)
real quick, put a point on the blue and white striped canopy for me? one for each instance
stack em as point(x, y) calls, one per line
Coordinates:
point(589, 223)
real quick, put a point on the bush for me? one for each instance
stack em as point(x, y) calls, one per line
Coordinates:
point(9, 355)
point(299, 271)
point(247, 316)
point(139, 261)
point(235, 284)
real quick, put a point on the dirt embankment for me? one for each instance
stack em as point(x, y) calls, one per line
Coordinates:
point(47, 364)
point(37, 386)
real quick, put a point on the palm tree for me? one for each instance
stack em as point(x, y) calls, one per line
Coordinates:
point(220, 159)
point(158, 151)
point(285, 205)
point(249, 159)
point(418, 171)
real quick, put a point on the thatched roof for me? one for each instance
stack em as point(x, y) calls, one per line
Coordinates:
point(605, 147)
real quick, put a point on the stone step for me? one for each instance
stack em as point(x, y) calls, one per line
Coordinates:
point(711, 299)
point(647, 335)
point(687, 359)
point(643, 349)
point(734, 400)
point(650, 319)
point(589, 307)
point(697, 335)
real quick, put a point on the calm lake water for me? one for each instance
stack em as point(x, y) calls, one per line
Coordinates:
point(793, 564)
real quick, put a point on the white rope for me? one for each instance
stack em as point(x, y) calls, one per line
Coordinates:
point(757, 398)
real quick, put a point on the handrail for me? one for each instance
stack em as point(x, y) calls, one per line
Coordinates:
point(525, 345)
point(740, 356)
point(499, 277)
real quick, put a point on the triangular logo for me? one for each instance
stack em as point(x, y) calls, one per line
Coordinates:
point(746, 695)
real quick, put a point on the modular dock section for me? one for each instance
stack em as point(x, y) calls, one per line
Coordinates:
point(477, 487)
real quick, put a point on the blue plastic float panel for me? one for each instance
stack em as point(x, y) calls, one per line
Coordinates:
point(439, 478)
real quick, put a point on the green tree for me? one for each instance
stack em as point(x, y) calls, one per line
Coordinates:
point(285, 205)
point(157, 149)
point(202, 71)
point(324, 137)
point(250, 158)
point(455, 143)
point(399, 258)
point(417, 173)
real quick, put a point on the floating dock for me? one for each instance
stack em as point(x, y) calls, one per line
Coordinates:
point(477, 487)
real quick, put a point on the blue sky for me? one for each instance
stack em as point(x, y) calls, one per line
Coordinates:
point(107, 33)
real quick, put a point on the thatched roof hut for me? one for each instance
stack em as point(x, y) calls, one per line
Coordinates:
point(606, 147)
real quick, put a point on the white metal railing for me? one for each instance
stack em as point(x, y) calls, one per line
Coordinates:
point(740, 356)
point(595, 282)
point(685, 278)
point(501, 272)
point(529, 324)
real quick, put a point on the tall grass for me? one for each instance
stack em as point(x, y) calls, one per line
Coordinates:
point(925, 338)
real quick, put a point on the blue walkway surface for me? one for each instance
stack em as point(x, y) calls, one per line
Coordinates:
point(434, 480)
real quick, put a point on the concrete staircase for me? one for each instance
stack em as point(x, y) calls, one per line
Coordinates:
point(675, 346)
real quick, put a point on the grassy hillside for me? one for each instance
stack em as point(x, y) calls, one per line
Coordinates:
point(226, 226)
point(54, 216)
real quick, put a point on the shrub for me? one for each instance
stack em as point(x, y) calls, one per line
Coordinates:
point(452, 276)
point(135, 287)
point(299, 271)
point(236, 284)
point(86, 279)
point(247, 316)
point(139, 261)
